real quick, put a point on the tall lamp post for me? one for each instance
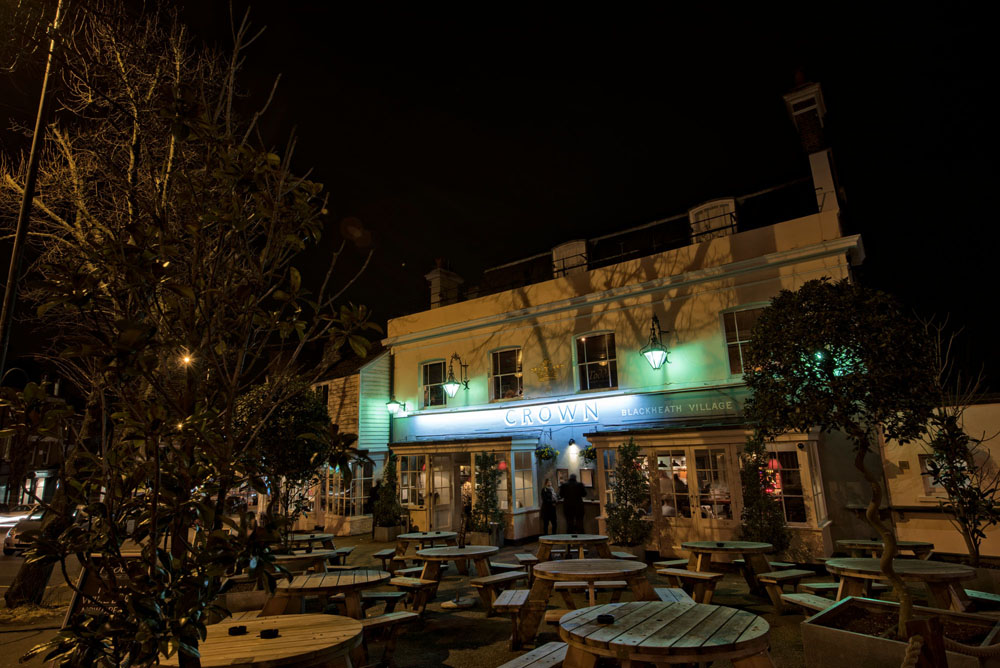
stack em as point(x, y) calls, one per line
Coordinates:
point(10, 291)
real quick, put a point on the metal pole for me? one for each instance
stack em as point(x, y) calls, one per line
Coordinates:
point(10, 291)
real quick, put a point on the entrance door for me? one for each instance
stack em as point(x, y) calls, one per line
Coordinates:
point(694, 491)
point(442, 492)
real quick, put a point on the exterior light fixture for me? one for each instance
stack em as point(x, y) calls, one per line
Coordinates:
point(394, 406)
point(186, 359)
point(655, 352)
point(452, 384)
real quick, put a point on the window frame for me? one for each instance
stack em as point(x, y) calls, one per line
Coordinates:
point(803, 470)
point(519, 374)
point(739, 343)
point(612, 360)
point(517, 488)
point(424, 387)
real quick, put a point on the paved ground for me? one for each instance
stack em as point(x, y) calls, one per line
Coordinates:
point(462, 638)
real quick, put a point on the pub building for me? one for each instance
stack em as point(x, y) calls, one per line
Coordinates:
point(637, 335)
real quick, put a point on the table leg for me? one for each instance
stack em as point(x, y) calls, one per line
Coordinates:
point(578, 658)
point(482, 566)
point(432, 570)
point(591, 594)
point(641, 589)
point(463, 566)
point(755, 564)
point(850, 586)
point(603, 550)
point(534, 609)
point(544, 552)
point(352, 601)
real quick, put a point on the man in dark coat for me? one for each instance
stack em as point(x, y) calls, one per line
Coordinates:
point(573, 493)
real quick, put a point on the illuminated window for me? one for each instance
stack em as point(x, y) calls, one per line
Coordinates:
point(412, 479)
point(505, 375)
point(524, 480)
point(433, 375)
point(351, 499)
point(785, 483)
point(672, 474)
point(595, 361)
point(738, 325)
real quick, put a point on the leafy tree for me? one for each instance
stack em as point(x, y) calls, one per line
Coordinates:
point(167, 241)
point(486, 510)
point(388, 512)
point(762, 519)
point(841, 357)
point(293, 445)
point(630, 491)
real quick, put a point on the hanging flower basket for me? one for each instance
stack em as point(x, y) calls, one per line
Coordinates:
point(546, 452)
point(590, 454)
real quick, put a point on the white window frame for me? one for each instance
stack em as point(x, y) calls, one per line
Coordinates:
point(612, 360)
point(425, 387)
point(517, 374)
point(412, 478)
point(721, 222)
point(740, 341)
point(772, 450)
point(518, 494)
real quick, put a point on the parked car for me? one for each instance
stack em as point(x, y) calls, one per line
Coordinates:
point(13, 541)
point(14, 513)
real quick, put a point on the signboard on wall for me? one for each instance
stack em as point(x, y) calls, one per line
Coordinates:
point(623, 410)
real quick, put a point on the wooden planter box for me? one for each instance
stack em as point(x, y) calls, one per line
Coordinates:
point(495, 537)
point(828, 646)
point(387, 534)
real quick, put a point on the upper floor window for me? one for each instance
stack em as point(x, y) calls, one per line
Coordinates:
point(738, 325)
point(505, 375)
point(432, 377)
point(595, 361)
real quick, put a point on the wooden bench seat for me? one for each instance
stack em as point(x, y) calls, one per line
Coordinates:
point(553, 616)
point(340, 555)
point(672, 594)
point(502, 567)
point(566, 590)
point(528, 561)
point(774, 581)
point(775, 565)
point(984, 599)
point(421, 591)
point(385, 628)
point(549, 655)
point(671, 563)
point(625, 556)
point(820, 588)
point(810, 603)
point(701, 583)
point(490, 585)
point(369, 599)
point(510, 602)
point(412, 571)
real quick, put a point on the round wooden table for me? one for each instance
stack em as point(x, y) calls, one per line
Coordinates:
point(859, 548)
point(315, 561)
point(659, 632)
point(289, 597)
point(307, 539)
point(480, 555)
point(580, 541)
point(308, 641)
point(754, 561)
point(589, 571)
point(942, 579)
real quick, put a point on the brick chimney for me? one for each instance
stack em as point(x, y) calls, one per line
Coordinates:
point(806, 107)
point(445, 285)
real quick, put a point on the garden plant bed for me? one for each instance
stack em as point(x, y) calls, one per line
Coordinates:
point(860, 627)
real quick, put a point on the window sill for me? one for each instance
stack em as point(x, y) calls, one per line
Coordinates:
point(596, 390)
point(506, 400)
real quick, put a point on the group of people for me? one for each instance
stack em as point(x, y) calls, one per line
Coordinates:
point(571, 493)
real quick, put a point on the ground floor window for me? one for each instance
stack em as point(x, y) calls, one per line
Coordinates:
point(348, 499)
point(672, 477)
point(412, 479)
point(785, 483)
point(524, 480)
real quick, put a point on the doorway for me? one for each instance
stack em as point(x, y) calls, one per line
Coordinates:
point(693, 493)
point(442, 492)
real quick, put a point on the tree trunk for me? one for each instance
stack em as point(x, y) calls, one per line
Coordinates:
point(888, 538)
point(28, 587)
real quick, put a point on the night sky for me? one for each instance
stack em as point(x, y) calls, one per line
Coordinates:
point(487, 133)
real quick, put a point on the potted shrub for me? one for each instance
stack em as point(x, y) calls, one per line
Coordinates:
point(626, 522)
point(487, 516)
point(387, 513)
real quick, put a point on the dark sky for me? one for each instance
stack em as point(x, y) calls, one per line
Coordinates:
point(488, 133)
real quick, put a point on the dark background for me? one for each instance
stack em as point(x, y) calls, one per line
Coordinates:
point(488, 133)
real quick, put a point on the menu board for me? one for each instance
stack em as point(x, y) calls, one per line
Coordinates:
point(94, 588)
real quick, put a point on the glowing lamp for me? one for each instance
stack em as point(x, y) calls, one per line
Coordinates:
point(393, 406)
point(452, 384)
point(655, 352)
point(502, 465)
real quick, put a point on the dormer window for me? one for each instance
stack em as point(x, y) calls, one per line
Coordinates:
point(713, 219)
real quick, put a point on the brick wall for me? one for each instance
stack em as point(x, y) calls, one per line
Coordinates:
point(342, 402)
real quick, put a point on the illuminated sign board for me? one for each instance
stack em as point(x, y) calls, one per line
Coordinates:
point(635, 409)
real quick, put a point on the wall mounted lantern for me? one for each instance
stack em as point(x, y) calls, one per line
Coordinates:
point(655, 352)
point(394, 406)
point(452, 384)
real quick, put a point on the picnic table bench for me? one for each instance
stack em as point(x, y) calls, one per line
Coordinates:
point(701, 583)
point(549, 655)
point(489, 586)
point(775, 580)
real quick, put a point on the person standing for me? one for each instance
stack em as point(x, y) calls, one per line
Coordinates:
point(573, 493)
point(548, 508)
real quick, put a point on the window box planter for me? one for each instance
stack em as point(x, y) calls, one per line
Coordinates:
point(837, 636)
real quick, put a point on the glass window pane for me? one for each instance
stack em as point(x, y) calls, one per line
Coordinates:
point(584, 378)
point(729, 321)
point(596, 348)
point(581, 350)
point(735, 362)
point(795, 509)
point(745, 320)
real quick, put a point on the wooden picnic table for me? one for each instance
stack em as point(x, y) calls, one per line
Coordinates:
point(580, 541)
point(307, 641)
point(859, 548)
point(941, 578)
point(309, 539)
point(660, 633)
point(289, 597)
point(579, 570)
point(423, 539)
point(434, 556)
point(754, 561)
point(315, 561)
